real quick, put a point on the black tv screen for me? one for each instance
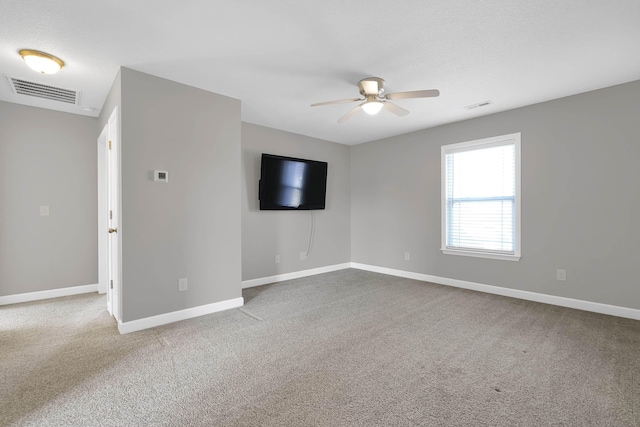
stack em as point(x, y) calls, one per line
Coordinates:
point(287, 183)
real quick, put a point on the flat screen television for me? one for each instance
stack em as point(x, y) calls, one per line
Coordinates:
point(288, 183)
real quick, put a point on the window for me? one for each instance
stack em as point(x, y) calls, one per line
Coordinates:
point(481, 198)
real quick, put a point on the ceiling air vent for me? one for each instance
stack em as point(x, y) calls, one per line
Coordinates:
point(39, 90)
point(478, 105)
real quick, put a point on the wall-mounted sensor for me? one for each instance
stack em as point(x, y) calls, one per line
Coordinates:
point(161, 176)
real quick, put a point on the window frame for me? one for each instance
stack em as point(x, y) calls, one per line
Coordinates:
point(509, 139)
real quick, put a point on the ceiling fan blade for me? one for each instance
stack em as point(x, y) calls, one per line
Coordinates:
point(414, 94)
point(350, 113)
point(340, 101)
point(398, 111)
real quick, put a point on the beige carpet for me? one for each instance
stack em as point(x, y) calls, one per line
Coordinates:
point(349, 348)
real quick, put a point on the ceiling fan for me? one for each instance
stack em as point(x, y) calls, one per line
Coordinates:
point(372, 89)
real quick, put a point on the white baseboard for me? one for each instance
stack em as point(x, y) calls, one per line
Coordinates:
point(612, 310)
point(52, 293)
point(295, 275)
point(175, 316)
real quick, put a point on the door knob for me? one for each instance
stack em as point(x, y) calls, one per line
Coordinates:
point(113, 230)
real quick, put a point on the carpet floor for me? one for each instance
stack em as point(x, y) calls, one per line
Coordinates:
point(348, 348)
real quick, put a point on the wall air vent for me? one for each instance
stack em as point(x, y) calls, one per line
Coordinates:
point(478, 105)
point(39, 90)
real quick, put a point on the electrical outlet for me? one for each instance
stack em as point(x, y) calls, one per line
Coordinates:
point(182, 285)
point(303, 255)
point(277, 259)
point(561, 275)
point(407, 256)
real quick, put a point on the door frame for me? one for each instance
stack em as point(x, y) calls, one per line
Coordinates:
point(109, 212)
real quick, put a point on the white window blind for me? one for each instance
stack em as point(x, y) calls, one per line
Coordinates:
point(481, 197)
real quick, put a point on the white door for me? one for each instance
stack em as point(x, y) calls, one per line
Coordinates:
point(113, 205)
point(103, 215)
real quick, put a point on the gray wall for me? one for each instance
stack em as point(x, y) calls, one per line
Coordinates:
point(189, 227)
point(47, 158)
point(266, 234)
point(580, 198)
point(114, 99)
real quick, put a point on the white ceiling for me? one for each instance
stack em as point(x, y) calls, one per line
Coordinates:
point(279, 56)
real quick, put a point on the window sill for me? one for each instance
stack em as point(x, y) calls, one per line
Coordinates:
point(490, 255)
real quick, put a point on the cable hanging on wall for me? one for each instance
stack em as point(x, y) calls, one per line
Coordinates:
point(312, 228)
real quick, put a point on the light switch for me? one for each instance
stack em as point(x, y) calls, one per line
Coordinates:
point(44, 210)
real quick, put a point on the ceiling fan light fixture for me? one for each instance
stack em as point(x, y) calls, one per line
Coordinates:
point(372, 107)
point(41, 62)
point(371, 89)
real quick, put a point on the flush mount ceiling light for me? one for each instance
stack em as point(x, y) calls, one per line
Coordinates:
point(41, 62)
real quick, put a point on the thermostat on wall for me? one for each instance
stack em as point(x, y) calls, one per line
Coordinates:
point(161, 176)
